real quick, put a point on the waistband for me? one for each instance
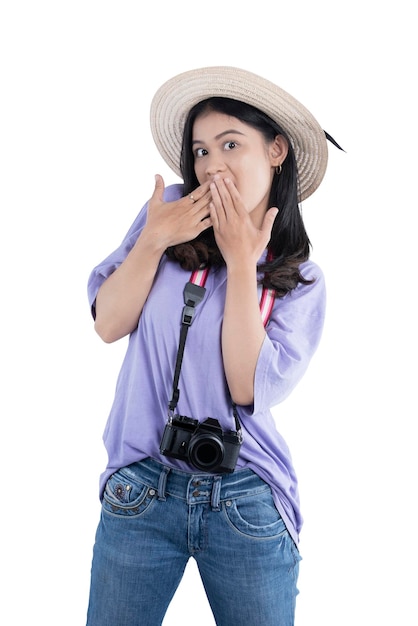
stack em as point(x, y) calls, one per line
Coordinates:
point(198, 488)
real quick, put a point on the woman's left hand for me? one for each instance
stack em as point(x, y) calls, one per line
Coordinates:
point(242, 236)
point(236, 234)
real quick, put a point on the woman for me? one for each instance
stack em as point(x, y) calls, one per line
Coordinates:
point(196, 465)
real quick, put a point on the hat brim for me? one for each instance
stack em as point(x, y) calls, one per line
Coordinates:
point(174, 99)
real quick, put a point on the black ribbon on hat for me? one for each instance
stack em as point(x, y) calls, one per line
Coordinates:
point(332, 140)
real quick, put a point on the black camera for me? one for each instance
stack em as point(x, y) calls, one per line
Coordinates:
point(203, 444)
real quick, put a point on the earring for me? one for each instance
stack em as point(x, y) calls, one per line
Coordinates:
point(279, 169)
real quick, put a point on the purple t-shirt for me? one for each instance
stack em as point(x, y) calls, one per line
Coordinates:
point(139, 412)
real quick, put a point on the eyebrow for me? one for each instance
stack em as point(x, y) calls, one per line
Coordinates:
point(225, 132)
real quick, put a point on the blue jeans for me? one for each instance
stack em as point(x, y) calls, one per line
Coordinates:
point(155, 518)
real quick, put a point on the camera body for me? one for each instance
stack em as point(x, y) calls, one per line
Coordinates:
point(203, 444)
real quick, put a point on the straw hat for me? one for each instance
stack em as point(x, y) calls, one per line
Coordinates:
point(175, 98)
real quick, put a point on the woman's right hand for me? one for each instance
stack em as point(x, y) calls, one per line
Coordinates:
point(170, 223)
point(121, 297)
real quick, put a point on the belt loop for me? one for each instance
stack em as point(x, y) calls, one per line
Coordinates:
point(216, 492)
point(162, 482)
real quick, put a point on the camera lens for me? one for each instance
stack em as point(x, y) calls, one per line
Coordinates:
point(206, 451)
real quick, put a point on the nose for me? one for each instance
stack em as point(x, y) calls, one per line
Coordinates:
point(214, 165)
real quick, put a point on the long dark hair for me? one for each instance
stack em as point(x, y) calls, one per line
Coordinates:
point(289, 245)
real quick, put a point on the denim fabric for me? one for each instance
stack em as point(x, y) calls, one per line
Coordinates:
point(155, 518)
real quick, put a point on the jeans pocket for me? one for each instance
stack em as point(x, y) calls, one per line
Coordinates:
point(255, 515)
point(125, 496)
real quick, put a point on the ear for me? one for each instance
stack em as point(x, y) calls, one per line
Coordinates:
point(278, 150)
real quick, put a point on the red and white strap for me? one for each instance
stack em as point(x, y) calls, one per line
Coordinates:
point(199, 277)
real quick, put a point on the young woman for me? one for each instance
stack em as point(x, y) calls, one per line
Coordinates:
point(196, 465)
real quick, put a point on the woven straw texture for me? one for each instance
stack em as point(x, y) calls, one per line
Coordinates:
point(174, 99)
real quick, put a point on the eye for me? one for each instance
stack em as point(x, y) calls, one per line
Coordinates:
point(200, 152)
point(230, 145)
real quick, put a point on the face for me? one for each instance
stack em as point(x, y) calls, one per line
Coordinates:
point(226, 146)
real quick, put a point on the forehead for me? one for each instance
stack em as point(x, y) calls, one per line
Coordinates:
point(210, 123)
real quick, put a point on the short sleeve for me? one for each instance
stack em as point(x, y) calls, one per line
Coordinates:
point(293, 335)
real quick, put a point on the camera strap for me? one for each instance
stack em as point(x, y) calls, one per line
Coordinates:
point(193, 294)
point(267, 298)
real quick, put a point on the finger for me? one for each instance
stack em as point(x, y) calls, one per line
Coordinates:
point(234, 195)
point(199, 217)
point(203, 201)
point(268, 221)
point(214, 216)
point(230, 198)
point(200, 192)
point(217, 200)
point(205, 223)
point(159, 187)
point(222, 190)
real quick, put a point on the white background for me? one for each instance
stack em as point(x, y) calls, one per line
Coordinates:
point(77, 163)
